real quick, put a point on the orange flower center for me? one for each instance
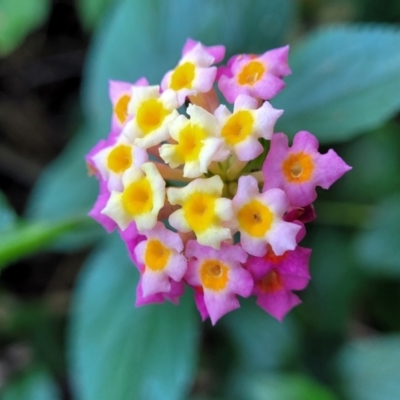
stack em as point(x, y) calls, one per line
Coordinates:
point(298, 167)
point(214, 274)
point(271, 283)
point(156, 256)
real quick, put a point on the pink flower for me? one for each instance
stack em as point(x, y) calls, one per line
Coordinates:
point(160, 254)
point(256, 76)
point(220, 274)
point(133, 238)
point(299, 169)
point(259, 219)
point(276, 276)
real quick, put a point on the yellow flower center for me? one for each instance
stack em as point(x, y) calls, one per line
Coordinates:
point(120, 158)
point(121, 108)
point(199, 211)
point(251, 73)
point(298, 167)
point(190, 143)
point(255, 218)
point(214, 274)
point(137, 198)
point(150, 115)
point(156, 255)
point(183, 76)
point(238, 127)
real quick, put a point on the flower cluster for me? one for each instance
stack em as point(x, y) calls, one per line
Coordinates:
point(193, 191)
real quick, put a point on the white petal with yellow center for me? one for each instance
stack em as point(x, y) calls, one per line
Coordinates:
point(153, 113)
point(114, 160)
point(242, 129)
point(192, 75)
point(196, 145)
point(140, 200)
point(203, 210)
point(259, 219)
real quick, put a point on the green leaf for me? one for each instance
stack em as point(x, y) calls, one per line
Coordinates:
point(121, 352)
point(280, 387)
point(35, 384)
point(260, 341)
point(345, 80)
point(369, 368)
point(17, 19)
point(378, 248)
point(334, 283)
point(92, 11)
point(65, 191)
point(7, 214)
point(145, 38)
point(376, 162)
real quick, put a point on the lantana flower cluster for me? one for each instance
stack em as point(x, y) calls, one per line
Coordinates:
point(207, 195)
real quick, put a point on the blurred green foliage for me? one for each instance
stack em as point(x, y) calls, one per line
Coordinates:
point(34, 384)
point(378, 248)
point(342, 342)
point(17, 19)
point(348, 83)
point(7, 214)
point(92, 11)
point(369, 368)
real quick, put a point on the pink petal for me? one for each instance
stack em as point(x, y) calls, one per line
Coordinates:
point(108, 224)
point(218, 51)
point(278, 304)
point(219, 304)
point(200, 304)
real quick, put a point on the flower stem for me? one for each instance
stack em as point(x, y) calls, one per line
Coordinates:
point(29, 237)
point(208, 101)
point(258, 175)
point(235, 168)
point(170, 174)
